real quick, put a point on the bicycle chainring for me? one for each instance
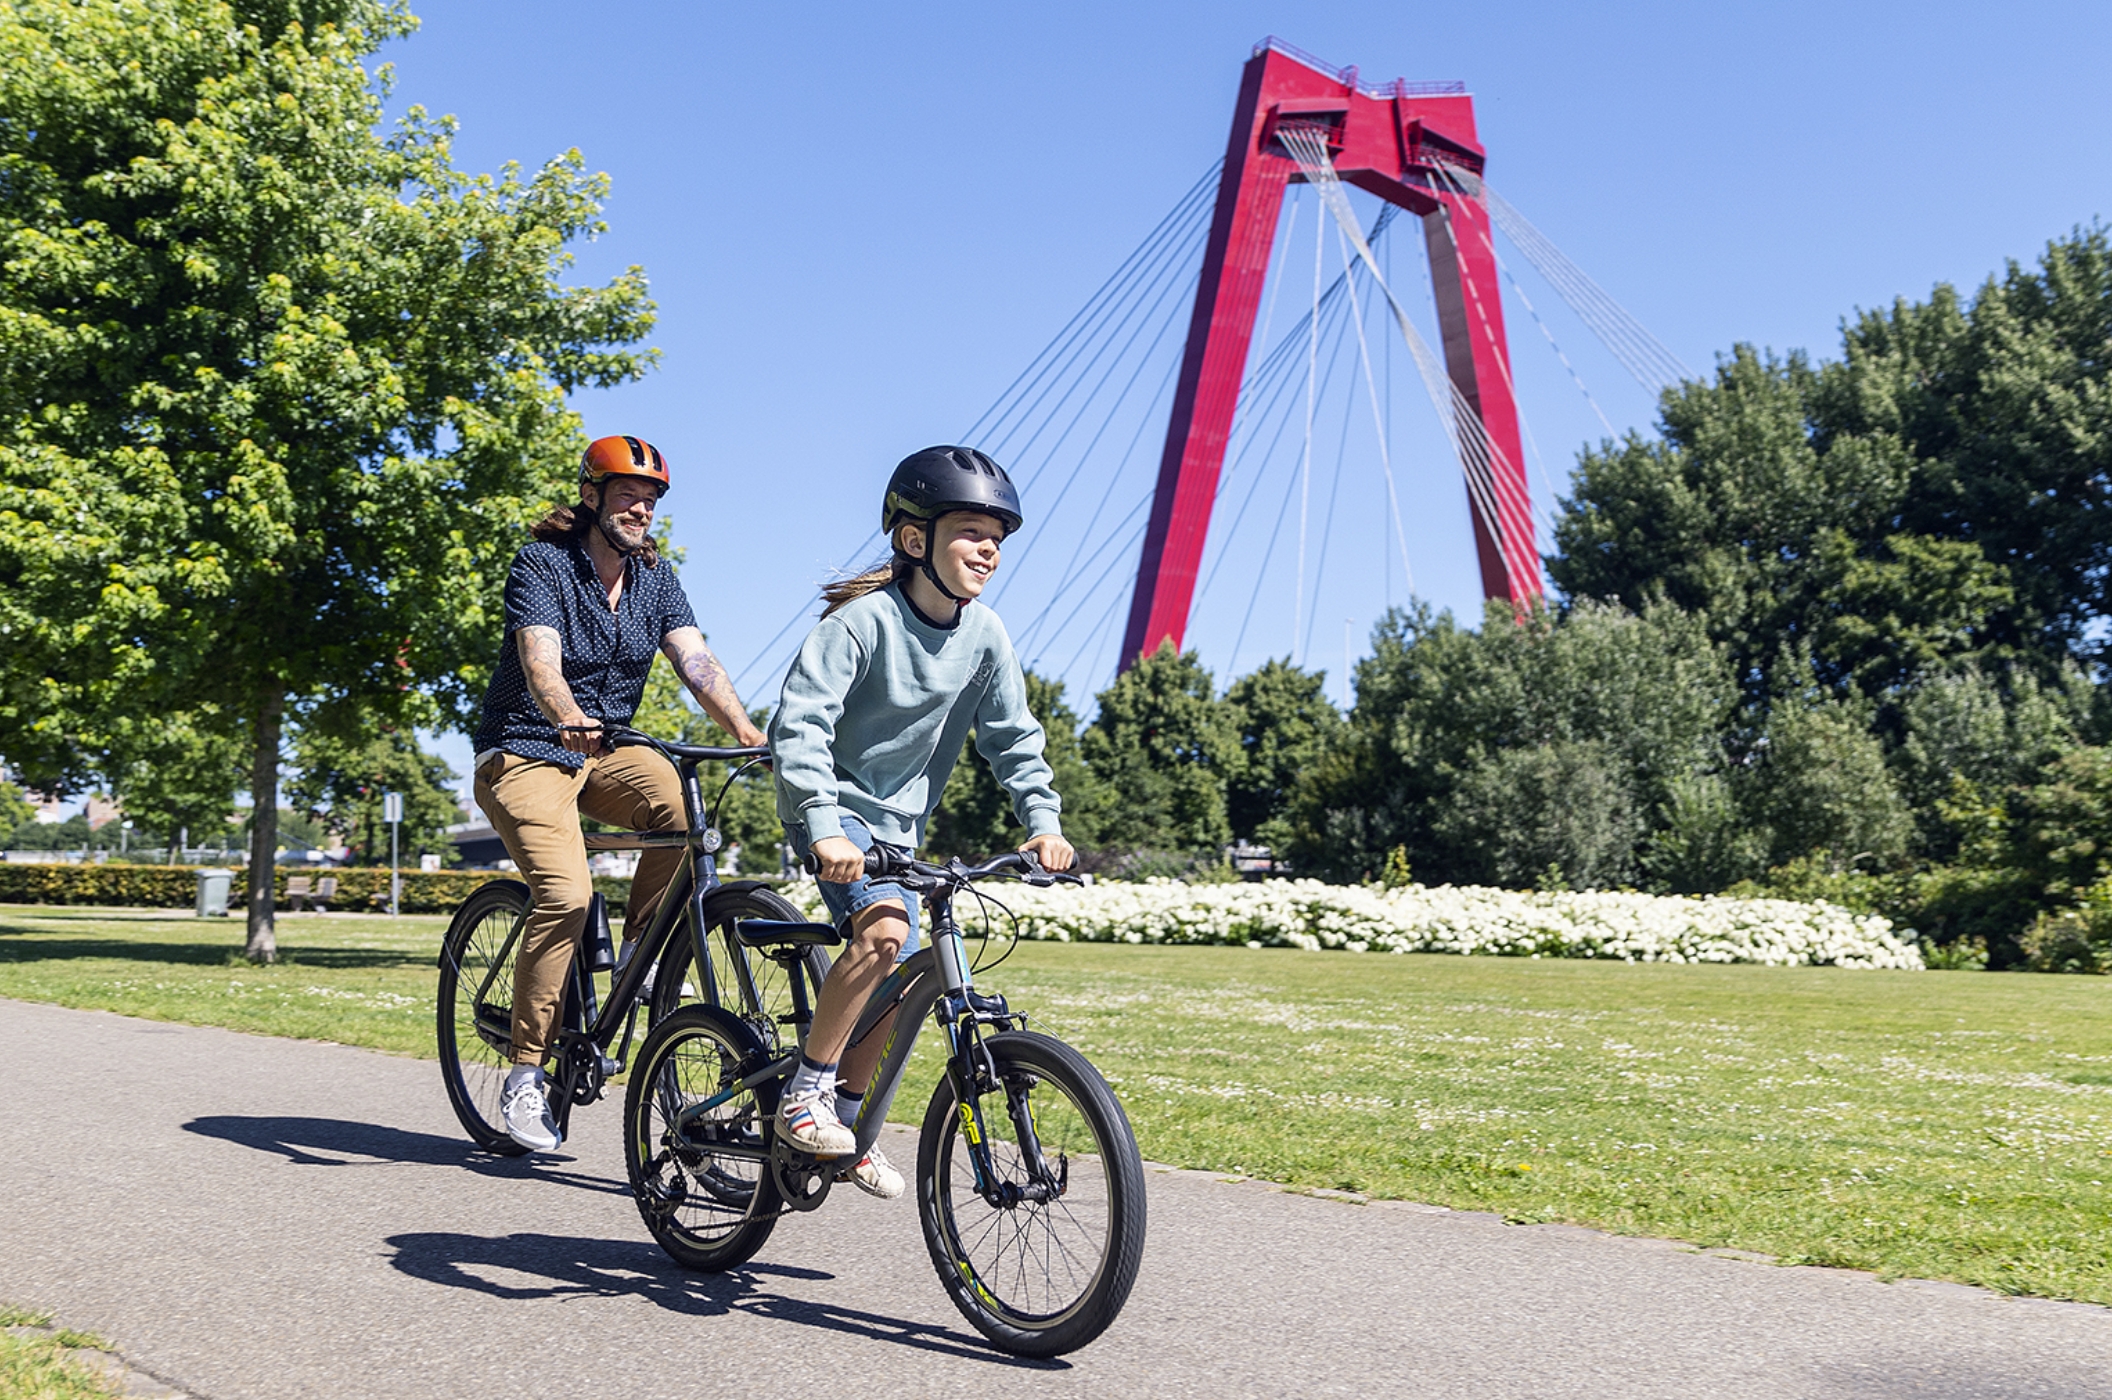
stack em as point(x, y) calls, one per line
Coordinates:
point(802, 1182)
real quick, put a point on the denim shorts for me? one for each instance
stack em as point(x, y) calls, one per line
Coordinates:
point(847, 899)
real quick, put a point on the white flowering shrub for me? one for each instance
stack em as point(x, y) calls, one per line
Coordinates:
point(1446, 919)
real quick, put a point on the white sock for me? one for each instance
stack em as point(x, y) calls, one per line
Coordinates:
point(523, 1074)
point(812, 1078)
point(847, 1106)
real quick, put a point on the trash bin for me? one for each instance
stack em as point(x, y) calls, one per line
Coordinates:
point(212, 892)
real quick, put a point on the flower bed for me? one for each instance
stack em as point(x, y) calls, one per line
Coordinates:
point(1623, 926)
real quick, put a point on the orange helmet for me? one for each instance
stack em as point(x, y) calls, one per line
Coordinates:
point(622, 456)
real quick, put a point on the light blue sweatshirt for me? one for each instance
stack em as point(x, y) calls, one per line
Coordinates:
point(877, 706)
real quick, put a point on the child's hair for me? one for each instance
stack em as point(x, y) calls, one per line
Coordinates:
point(896, 570)
point(843, 590)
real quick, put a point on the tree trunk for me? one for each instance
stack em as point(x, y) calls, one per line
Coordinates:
point(263, 943)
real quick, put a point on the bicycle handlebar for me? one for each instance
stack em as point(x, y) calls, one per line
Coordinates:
point(623, 736)
point(881, 862)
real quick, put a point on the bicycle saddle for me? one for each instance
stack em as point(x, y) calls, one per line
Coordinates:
point(767, 933)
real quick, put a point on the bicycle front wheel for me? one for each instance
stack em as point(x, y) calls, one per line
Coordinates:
point(476, 1008)
point(1041, 1257)
point(701, 1178)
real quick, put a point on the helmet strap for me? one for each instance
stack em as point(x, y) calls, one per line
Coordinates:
point(924, 566)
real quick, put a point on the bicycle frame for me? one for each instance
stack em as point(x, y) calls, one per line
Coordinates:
point(588, 1029)
point(937, 982)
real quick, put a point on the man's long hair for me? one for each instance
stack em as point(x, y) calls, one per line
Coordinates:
point(573, 522)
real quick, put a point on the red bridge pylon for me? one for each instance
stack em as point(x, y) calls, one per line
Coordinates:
point(1398, 142)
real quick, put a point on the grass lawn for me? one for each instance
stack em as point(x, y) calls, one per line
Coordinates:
point(40, 1364)
point(1940, 1125)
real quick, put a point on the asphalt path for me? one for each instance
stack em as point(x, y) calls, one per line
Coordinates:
point(251, 1217)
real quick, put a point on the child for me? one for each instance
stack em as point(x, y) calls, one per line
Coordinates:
point(876, 706)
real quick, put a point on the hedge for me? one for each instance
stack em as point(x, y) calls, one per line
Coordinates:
point(176, 887)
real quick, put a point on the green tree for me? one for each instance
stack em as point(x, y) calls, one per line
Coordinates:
point(974, 816)
point(1821, 789)
point(344, 783)
point(15, 809)
point(312, 378)
point(175, 773)
point(1462, 742)
point(1971, 736)
point(1165, 748)
point(1285, 724)
point(1937, 495)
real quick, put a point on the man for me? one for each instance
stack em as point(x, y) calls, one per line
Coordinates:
point(588, 603)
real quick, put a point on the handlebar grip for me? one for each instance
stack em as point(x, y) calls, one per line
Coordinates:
point(876, 862)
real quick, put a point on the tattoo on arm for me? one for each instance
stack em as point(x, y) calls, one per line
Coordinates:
point(705, 677)
point(543, 664)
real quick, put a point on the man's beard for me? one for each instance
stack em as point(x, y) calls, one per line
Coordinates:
point(611, 532)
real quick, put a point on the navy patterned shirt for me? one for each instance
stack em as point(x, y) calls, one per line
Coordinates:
point(606, 654)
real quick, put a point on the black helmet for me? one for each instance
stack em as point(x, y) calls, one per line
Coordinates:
point(929, 483)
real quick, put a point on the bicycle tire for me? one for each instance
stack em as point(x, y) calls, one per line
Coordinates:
point(709, 1211)
point(1036, 1278)
point(479, 953)
point(676, 984)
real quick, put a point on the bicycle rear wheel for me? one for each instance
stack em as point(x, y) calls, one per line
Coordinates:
point(475, 1008)
point(1043, 1259)
point(701, 1180)
point(676, 983)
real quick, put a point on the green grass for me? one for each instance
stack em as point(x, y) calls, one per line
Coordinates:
point(1941, 1125)
point(40, 1367)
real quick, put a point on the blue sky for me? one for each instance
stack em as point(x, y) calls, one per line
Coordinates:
point(861, 221)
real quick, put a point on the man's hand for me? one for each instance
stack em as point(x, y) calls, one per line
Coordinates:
point(841, 860)
point(749, 736)
point(589, 740)
point(1052, 851)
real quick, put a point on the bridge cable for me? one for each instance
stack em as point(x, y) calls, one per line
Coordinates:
point(1274, 372)
point(1640, 353)
point(1378, 424)
point(1305, 460)
point(1503, 516)
point(1176, 227)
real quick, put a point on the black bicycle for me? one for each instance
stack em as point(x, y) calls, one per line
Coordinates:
point(690, 954)
point(1029, 1185)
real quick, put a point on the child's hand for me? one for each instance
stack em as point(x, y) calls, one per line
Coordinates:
point(841, 860)
point(1051, 850)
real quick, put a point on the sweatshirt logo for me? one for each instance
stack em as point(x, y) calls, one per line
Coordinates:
point(984, 672)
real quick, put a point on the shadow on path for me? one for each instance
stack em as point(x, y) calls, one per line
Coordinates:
point(555, 1266)
point(308, 1141)
point(25, 945)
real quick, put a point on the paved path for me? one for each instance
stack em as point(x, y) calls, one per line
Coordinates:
point(249, 1217)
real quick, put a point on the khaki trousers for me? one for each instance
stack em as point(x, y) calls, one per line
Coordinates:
point(535, 805)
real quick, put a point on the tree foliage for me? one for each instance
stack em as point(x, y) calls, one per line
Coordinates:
point(1464, 746)
point(1937, 495)
point(310, 377)
point(1286, 725)
point(1165, 748)
point(343, 784)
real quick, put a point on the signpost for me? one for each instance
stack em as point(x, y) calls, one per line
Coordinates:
point(392, 813)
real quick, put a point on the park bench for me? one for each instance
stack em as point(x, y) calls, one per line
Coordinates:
point(319, 893)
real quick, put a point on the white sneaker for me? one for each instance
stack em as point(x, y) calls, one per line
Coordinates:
point(875, 1176)
point(808, 1122)
point(527, 1114)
